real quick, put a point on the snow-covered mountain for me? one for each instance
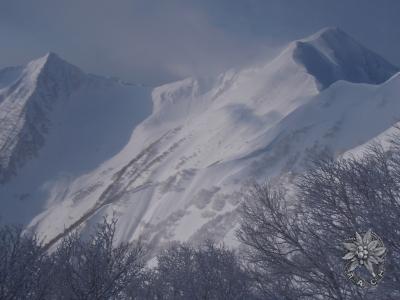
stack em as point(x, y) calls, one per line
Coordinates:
point(175, 173)
point(57, 123)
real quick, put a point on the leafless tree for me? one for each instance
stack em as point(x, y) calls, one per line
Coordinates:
point(206, 272)
point(96, 268)
point(295, 246)
point(25, 268)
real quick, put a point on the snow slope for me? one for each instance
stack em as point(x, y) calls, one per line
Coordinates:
point(179, 174)
point(57, 123)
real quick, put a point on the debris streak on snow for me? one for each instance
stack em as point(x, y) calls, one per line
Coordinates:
point(74, 146)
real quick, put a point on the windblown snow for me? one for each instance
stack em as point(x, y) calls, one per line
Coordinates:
point(170, 162)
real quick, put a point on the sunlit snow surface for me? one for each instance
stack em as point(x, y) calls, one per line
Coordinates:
point(175, 173)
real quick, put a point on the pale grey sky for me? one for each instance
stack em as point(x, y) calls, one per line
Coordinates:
point(156, 41)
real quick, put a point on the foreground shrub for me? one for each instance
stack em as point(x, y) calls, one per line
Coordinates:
point(96, 268)
point(295, 245)
point(205, 272)
point(25, 268)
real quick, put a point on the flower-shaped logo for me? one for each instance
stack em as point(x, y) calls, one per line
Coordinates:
point(365, 251)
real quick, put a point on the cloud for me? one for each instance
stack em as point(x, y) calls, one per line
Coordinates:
point(149, 41)
point(155, 41)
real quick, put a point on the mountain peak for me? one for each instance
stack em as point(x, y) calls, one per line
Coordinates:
point(331, 55)
point(51, 71)
point(52, 57)
point(326, 33)
point(53, 60)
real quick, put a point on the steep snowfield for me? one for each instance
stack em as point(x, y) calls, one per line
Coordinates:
point(331, 55)
point(26, 99)
point(56, 124)
point(178, 176)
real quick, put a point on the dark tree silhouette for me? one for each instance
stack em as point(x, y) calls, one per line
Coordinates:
point(95, 268)
point(205, 272)
point(25, 268)
point(295, 244)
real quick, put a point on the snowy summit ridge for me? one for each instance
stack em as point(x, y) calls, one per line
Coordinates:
point(25, 100)
point(331, 55)
point(74, 147)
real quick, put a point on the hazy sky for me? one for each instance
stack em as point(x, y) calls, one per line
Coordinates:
point(156, 41)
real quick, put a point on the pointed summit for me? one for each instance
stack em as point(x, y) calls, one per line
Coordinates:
point(48, 58)
point(326, 33)
point(52, 61)
point(331, 55)
point(54, 73)
point(51, 57)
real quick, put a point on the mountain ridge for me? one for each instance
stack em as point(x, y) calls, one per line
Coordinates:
point(178, 173)
point(331, 55)
point(29, 99)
